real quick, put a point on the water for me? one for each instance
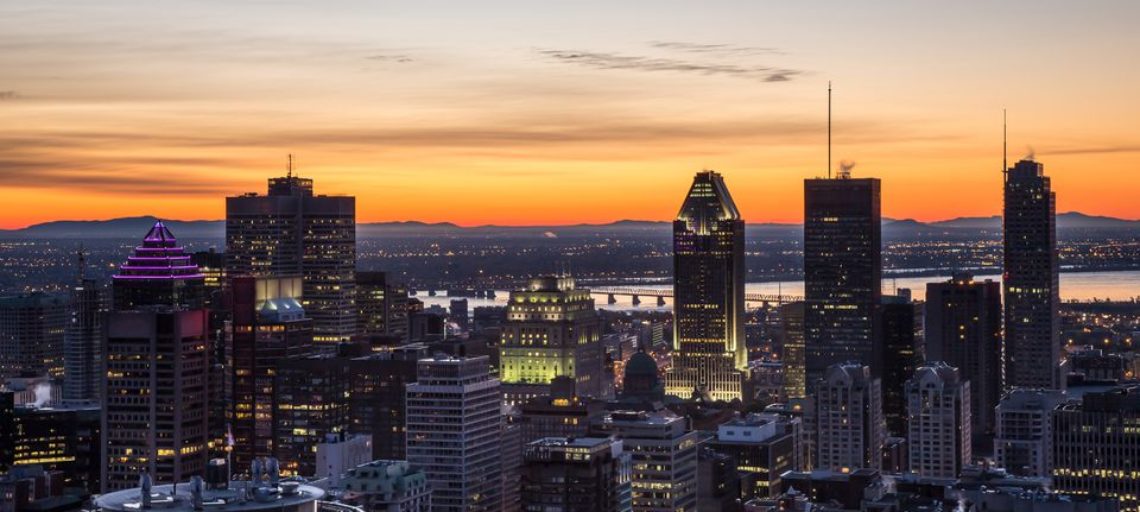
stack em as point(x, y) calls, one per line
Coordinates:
point(1082, 286)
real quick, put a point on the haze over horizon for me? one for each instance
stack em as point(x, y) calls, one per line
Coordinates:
point(591, 112)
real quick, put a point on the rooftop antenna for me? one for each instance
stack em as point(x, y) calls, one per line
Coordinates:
point(290, 167)
point(829, 129)
point(1004, 145)
point(82, 262)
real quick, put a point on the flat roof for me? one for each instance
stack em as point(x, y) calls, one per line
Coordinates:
point(130, 500)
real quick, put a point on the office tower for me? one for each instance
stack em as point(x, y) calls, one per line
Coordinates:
point(83, 342)
point(381, 305)
point(267, 324)
point(511, 460)
point(718, 482)
point(708, 292)
point(583, 474)
point(963, 329)
point(155, 393)
point(902, 354)
point(310, 405)
point(849, 419)
point(292, 233)
point(159, 273)
point(1095, 442)
point(377, 397)
point(552, 330)
point(454, 432)
point(1030, 280)
point(387, 485)
point(764, 446)
point(562, 414)
point(938, 421)
point(843, 262)
point(65, 440)
point(792, 339)
point(1023, 440)
point(31, 335)
point(663, 457)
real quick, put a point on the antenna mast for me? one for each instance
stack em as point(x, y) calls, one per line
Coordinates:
point(829, 129)
point(290, 167)
point(1004, 145)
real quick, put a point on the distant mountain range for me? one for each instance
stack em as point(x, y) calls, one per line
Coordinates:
point(134, 227)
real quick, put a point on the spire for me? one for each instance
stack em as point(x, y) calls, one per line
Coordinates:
point(829, 129)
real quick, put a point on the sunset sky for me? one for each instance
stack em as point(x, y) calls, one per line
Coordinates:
point(524, 112)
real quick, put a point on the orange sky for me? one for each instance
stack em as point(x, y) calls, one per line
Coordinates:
point(578, 112)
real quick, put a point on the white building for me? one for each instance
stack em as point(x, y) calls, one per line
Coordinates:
point(849, 419)
point(341, 452)
point(454, 433)
point(938, 421)
point(1023, 442)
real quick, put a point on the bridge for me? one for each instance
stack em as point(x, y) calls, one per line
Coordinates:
point(667, 293)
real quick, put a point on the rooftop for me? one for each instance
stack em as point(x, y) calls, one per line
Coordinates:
point(166, 498)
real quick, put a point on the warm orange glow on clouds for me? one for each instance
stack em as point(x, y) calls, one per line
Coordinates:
point(523, 113)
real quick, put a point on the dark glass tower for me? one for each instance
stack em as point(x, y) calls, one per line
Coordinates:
point(708, 291)
point(1032, 325)
point(963, 329)
point(159, 273)
point(843, 261)
point(902, 355)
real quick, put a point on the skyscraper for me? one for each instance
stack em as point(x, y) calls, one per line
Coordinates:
point(267, 325)
point(159, 273)
point(155, 396)
point(849, 419)
point(1030, 282)
point(792, 335)
point(582, 474)
point(454, 425)
point(552, 330)
point(963, 329)
point(1095, 441)
point(31, 335)
point(292, 233)
point(83, 342)
point(664, 458)
point(708, 290)
point(902, 354)
point(843, 263)
point(938, 420)
point(1023, 441)
point(382, 305)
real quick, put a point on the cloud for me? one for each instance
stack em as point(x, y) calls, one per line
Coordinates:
point(8, 95)
point(717, 49)
point(608, 61)
point(1127, 148)
point(399, 58)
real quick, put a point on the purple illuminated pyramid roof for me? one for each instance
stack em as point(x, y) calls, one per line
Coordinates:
point(158, 258)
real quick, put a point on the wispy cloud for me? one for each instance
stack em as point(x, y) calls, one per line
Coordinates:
point(1094, 150)
point(8, 95)
point(715, 49)
point(616, 61)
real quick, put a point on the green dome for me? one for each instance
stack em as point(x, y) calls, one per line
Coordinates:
point(641, 365)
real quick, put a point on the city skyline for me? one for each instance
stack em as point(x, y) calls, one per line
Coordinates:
point(201, 101)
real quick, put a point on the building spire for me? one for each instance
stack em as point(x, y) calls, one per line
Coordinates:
point(289, 168)
point(1004, 144)
point(829, 129)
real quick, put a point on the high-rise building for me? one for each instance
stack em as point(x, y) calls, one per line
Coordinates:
point(83, 342)
point(311, 404)
point(64, 440)
point(1030, 280)
point(155, 396)
point(1095, 442)
point(31, 335)
point(562, 414)
point(764, 447)
point(292, 233)
point(663, 456)
point(843, 262)
point(1023, 441)
point(454, 433)
point(849, 419)
point(708, 292)
point(582, 474)
point(159, 273)
point(377, 397)
point(718, 482)
point(381, 305)
point(267, 324)
point(938, 421)
point(792, 339)
point(963, 329)
point(552, 330)
point(902, 354)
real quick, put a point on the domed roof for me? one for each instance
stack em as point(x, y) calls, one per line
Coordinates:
point(641, 364)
